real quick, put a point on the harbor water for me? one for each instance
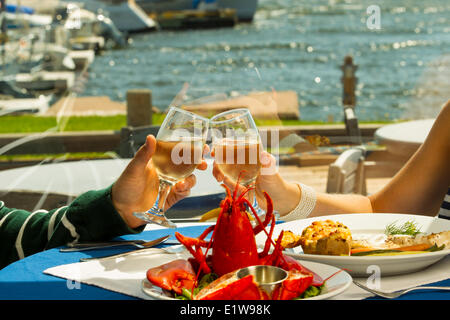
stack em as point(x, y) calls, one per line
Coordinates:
point(403, 67)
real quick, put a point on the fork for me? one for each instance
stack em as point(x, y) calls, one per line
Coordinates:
point(393, 295)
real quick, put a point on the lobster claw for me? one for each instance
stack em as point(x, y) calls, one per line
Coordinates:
point(296, 283)
point(289, 263)
point(173, 276)
point(229, 287)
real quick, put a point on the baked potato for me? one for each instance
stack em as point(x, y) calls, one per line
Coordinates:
point(321, 237)
point(327, 237)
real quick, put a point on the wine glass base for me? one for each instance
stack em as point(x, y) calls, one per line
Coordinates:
point(155, 218)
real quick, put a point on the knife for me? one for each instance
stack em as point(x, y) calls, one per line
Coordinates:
point(147, 245)
point(83, 246)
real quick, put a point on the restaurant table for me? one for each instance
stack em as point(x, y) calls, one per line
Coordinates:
point(25, 280)
point(403, 139)
point(76, 177)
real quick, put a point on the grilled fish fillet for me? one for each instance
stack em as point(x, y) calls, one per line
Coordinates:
point(439, 239)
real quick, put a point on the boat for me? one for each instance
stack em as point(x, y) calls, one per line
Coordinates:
point(21, 20)
point(84, 24)
point(126, 15)
point(245, 10)
point(37, 105)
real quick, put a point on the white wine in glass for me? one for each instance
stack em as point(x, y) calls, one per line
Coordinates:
point(237, 148)
point(238, 159)
point(179, 150)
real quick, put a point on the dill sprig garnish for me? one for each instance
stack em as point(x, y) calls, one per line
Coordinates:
point(408, 228)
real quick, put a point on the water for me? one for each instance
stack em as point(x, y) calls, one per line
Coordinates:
point(403, 73)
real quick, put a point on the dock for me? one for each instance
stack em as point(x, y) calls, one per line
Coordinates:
point(262, 105)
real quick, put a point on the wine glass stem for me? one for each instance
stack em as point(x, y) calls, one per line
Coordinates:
point(164, 189)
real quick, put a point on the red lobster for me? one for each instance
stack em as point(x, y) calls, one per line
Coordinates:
point(234, 247)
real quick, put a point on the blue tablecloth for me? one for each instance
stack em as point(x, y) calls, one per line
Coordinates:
point(25, 279)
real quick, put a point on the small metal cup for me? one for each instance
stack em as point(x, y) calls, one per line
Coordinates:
point(267, 277)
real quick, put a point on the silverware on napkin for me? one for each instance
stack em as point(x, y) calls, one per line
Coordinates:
point(84, 246)
point(145, 245)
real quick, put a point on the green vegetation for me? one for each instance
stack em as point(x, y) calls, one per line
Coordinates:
point(60, 156)
point(410, 228)
point(186, 294)
point(312, 291)
point(31, 123)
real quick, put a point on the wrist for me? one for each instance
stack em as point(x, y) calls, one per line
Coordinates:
point(291, 195)
point(285, 195)
point(125, 211)
point(306, 204)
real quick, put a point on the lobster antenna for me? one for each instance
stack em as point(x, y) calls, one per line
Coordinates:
point(237, 184)
point(258, 219)
point(227, 190)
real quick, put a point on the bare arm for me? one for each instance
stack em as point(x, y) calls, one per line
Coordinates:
point(420, 186)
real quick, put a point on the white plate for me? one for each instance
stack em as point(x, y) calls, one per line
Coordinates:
point(333, 286)
point(370, 224)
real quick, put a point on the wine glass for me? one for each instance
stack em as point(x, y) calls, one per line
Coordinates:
point(179, 150)
point(237, 148)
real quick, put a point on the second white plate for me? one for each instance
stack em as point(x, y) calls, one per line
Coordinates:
point(369, 223)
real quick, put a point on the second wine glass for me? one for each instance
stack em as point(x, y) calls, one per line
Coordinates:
point(237, 148)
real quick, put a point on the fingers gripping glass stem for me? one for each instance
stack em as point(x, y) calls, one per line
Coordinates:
point(156, 213)
point(178, 152)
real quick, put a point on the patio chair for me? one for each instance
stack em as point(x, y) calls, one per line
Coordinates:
point(346, 174)
point(132, 138)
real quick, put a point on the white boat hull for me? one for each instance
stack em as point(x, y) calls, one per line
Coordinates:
point(29, 105)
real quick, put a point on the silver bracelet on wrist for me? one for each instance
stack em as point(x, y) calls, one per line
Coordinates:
point(305, 206)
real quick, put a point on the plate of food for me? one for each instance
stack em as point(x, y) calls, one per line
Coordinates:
point(336, 281)
point(362, 244)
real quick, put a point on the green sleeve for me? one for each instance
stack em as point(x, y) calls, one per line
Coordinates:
point(90, 217)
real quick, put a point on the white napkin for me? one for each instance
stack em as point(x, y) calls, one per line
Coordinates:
point(436, 272)
point(123, 275)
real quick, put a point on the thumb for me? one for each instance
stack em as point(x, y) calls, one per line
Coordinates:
point(145, 152)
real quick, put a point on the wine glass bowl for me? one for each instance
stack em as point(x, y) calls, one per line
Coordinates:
point(237, 147)
point(239, 159)
point(179, 150)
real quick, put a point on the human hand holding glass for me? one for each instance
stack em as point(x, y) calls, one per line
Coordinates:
point(179, 150)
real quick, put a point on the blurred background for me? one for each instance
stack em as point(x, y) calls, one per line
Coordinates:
point(83, 81)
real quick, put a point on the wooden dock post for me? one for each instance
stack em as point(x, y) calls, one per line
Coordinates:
point(349, 100)
point(139, 107)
